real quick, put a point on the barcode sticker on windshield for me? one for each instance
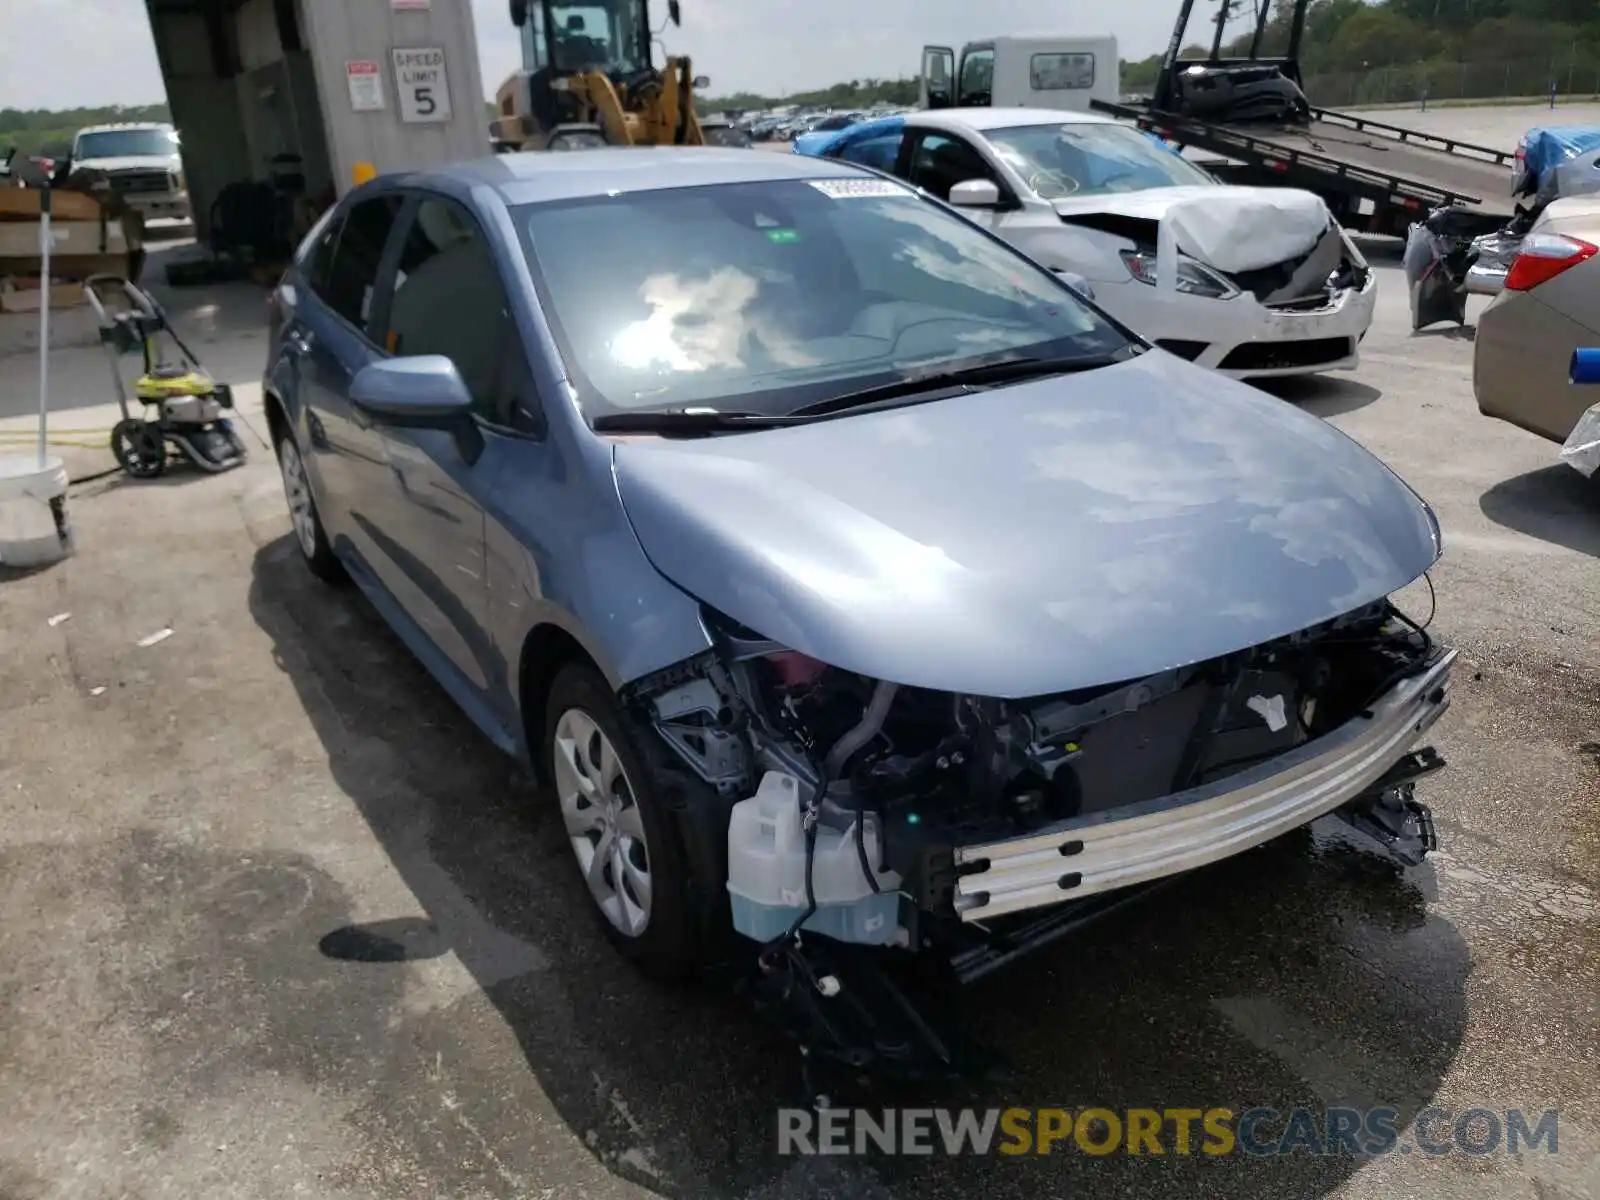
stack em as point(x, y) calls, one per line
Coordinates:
point(852, 189)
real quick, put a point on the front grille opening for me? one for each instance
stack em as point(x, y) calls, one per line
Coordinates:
point(1321, 301)
point(1183, 348)
point(1277, 356)
point(144, 181)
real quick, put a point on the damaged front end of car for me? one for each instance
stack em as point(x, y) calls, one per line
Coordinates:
point(860, 816)
point(1297, 291)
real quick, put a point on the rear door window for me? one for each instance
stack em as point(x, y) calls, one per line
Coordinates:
point(1061, 72)
point(879, 152)
point(352, 276)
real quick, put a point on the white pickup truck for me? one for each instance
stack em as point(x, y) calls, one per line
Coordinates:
point(142, 163)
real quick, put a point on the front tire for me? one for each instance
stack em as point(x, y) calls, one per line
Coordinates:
point(139, 448)
point(309, 534)
point(617, 820)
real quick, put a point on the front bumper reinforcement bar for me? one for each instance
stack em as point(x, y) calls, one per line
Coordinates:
point(1140, 843)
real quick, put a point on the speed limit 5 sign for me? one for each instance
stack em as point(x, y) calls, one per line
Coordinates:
point(420, 79)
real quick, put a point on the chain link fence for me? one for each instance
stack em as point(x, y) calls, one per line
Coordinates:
point(1575, 78)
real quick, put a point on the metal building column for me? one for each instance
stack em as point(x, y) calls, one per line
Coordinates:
point(347, 38)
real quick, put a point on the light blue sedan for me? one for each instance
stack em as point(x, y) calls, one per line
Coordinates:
point(837, 567)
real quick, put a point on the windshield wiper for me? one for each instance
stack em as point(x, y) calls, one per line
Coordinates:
point(697, 420)
point(689, 421)
point(1010, 370)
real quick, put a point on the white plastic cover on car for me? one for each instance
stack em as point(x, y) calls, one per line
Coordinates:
point(1582, 449)
point(1239, 229)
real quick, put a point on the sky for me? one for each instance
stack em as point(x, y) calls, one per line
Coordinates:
point(765, 46)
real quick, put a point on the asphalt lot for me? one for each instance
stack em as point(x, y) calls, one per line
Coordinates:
point(200, 862)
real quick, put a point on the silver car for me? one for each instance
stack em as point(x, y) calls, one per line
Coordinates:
point(1549, 307)
point(838, 568)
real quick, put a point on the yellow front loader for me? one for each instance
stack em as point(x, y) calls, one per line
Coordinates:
point(588, 80)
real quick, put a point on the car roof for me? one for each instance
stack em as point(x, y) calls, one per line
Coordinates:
point(535, 176)
point(981, 120)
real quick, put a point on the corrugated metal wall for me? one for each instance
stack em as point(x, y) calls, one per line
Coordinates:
point(300, 100)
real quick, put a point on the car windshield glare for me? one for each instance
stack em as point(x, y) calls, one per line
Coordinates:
point(1089, 159)
point(772, 296)
point(126, 143)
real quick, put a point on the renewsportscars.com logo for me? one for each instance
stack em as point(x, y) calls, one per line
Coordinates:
point(1258, 1132)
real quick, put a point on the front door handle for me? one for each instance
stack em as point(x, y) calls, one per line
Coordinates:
point(298, 343)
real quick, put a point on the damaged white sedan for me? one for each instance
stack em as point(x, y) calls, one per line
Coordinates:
point(1252, 282)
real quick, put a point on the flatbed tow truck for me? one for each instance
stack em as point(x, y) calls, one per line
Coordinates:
point(1375, 177)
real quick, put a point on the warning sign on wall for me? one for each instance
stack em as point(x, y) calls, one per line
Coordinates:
point(423, 86)
point(366, 85)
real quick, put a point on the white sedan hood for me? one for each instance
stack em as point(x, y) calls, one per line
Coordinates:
point(1230, 228)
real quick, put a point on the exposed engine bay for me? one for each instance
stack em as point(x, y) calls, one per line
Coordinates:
point(878, 815)
point(863, 792)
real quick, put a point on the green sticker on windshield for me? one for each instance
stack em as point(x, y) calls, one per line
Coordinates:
point(783, 237)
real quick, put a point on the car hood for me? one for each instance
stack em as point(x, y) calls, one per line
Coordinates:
point(1042, 537)
point(1151, 204)
point(1231, 228)
point(130, 162)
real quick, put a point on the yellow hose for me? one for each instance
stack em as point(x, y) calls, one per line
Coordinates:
point(13, 434)
point(32, 439)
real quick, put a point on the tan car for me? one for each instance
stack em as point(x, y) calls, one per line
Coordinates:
point(1549, 307)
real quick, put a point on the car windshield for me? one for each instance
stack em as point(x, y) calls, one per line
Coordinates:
point(126, 143)
point(1089, 159)
point(771, 296)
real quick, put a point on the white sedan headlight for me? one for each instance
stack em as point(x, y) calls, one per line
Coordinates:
point(1193, 279)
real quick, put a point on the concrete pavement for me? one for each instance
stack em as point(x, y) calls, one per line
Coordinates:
point(274, 920)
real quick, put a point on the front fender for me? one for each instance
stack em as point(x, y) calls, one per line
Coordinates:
point(561, 554)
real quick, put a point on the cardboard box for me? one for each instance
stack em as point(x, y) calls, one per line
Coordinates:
point(22, 204)
point(14, 298)
point(81, 248)
point(20, 239)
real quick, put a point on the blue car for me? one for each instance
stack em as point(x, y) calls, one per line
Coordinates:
point(878, 138)
point(821, 132)
point(836, 567)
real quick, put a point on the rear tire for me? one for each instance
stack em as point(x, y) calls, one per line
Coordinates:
point(615, 814)
point(309, 534)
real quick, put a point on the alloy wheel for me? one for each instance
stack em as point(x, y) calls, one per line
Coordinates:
point(298, 493)
point(603, 822)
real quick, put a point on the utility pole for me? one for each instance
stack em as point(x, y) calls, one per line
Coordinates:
point(1263, 10)
point(1224, 11)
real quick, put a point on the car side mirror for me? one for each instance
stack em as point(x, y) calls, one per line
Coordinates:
point(674, 13)
point(1076, 282)
point(975, 193)
point(701, 82)
point(1585, 366)
point(519, 13)
point(424, 391)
